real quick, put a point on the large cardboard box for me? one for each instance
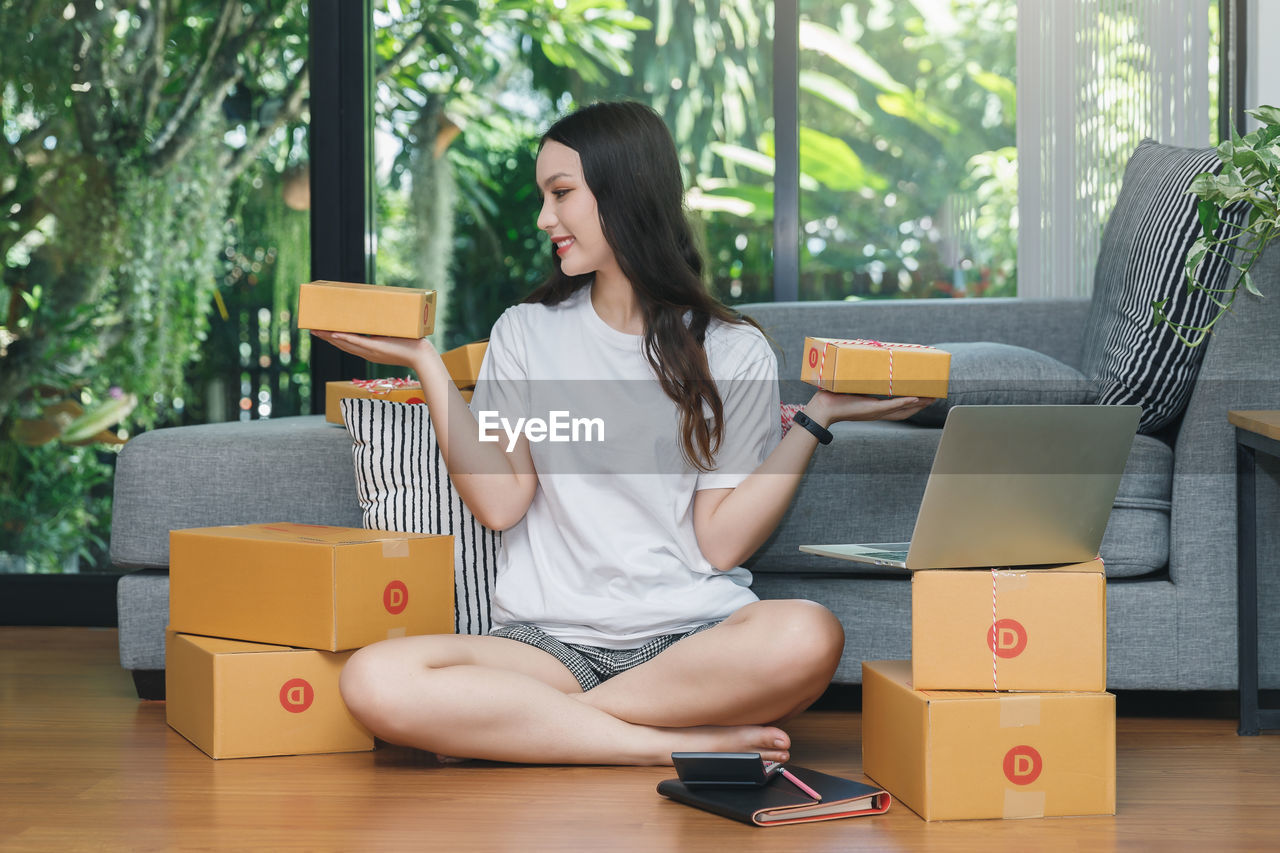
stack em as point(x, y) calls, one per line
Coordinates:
point(955, 755)
point(861, 366)
point(1010, 628)
point(237, 700)
point(310, 586)
point(391, 390)
point(366, 309)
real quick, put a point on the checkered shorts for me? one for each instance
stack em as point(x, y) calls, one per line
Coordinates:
point(591, 664)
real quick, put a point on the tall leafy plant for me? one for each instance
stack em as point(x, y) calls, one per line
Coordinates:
point(1250, 178)
point(125, 124)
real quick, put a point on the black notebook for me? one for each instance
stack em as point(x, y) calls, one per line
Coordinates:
point(781, 802)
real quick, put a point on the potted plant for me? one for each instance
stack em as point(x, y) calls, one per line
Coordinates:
point(1248, 184)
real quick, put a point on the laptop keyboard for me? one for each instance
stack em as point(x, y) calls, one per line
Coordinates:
point(898, 556)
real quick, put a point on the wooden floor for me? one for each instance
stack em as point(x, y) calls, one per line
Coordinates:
point(85, 766)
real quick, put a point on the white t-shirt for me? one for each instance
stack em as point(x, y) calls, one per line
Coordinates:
point(606, 554)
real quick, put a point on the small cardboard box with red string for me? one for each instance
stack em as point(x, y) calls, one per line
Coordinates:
point(1015, 629)
point(862, 366)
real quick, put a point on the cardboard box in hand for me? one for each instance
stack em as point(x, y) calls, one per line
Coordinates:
point(366, 309)
point(859, 366)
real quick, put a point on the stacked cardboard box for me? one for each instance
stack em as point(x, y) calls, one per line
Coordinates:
point(263, 616)
point(1002, 710)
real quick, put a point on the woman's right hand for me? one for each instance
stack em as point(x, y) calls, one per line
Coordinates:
point(402, 352)
point(827, 407)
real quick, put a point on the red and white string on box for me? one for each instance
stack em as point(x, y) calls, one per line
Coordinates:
point(788, 414)
point(872, 343)
point(995, 680)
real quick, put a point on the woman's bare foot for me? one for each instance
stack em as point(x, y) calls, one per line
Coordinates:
point(771, 742)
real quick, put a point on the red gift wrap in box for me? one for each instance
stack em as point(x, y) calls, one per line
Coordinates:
point(391, 390)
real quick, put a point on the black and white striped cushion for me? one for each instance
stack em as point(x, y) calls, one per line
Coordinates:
point(403, 486)
point(1144, 247)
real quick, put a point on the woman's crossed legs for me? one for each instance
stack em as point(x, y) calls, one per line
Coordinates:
point(719, 690)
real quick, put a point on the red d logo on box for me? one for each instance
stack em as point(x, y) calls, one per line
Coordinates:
point(1022, 765)
point(395, 597)
point(813, 356)
point(296, 695)
point(1007, 638)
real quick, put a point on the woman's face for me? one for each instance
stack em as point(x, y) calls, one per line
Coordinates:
point(569, 214)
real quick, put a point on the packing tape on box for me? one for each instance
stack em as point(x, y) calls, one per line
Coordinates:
point(1019, 710)
point(395, 548)
point(1023, 804)
point(1011, 581)
point(396, 633)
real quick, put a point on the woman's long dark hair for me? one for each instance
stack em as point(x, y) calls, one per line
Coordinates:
point(630, 165)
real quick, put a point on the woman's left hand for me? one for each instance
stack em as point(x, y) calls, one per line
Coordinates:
point(827, 407)
point(401, 352)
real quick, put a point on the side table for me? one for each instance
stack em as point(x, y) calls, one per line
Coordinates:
point(1256, 432)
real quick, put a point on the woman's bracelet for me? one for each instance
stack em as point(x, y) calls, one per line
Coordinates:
point(819, 432)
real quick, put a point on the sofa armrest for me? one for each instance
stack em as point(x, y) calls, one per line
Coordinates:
point(289, 469)
point(1054, 327)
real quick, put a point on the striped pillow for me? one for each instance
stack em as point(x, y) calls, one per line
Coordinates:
point(1144, 246)
point(403, 486)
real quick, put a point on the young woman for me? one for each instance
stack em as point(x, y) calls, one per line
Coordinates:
point(625, 628)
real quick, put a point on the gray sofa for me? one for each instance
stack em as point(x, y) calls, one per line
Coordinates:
point(1170, 546)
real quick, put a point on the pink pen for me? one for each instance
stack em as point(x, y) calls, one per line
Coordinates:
point(791, 777)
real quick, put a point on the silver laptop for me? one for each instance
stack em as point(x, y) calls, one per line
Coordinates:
point(1013, 486)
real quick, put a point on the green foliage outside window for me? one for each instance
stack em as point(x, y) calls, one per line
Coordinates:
point(126, 125)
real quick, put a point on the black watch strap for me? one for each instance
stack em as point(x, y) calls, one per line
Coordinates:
point(819, 432)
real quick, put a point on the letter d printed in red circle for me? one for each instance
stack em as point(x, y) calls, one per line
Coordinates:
point(296, 695)
point(1022, 765)
point(1007, 638)
point(395, 597)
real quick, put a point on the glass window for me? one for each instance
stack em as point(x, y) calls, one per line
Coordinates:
point(155, 195)
point(463, 95)
point(907, 161)
point(917, 168)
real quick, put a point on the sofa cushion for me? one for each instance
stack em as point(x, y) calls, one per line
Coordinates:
point(1144, 247)
point(402, 485)
point(294, 469)
point(866, 486)
point(995, 374)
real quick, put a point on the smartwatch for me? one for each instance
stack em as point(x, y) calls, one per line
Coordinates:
point(819, 432)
